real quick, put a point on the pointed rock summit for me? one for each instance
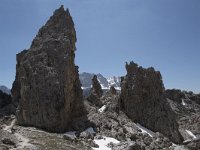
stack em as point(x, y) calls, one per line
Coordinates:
point(142, 99)
point(47, 89)
point(96, 87)
point(96, 92)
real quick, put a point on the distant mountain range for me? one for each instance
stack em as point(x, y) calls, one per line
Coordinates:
point(86, 81)
point(5, 89)
point(106, 83)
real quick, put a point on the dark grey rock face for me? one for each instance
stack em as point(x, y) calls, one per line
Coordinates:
point(5, 99)
point(195, 98)
point(96, 92)
point(142, 99)
point(6, 107)
point(47, 89)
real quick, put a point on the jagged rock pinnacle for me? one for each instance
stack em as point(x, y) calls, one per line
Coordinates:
point(47, 85)
point(60, 26)
point(96, 87)
point(142, 100)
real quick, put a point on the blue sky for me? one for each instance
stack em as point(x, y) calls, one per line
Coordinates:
point(164, 34)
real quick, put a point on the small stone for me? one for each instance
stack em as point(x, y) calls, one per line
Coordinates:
point(86, 135)
point(93, 144)
point(69, 138)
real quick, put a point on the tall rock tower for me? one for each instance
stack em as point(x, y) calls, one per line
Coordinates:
point(96, 87)
point(47, 89)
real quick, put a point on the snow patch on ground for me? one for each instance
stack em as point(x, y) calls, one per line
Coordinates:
point(24, 142)
point(183, 102)
point(9, 127)
point(145, 130)
point(102, 108)
point(118, 88)
point(191, 134)
point(103, 143)
point(83, 88)
point(104, 87)
point(71, 134)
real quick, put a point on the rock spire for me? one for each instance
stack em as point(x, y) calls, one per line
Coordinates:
point(47, 87)
point(142, 100)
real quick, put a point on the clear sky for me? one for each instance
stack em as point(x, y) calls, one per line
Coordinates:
point(164, 34)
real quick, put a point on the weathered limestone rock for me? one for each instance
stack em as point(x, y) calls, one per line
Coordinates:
point(96, 92)
point(47, 89)
point(142, 100)
point(96, 87)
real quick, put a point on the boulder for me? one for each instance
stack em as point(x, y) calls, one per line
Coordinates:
point(47, 89)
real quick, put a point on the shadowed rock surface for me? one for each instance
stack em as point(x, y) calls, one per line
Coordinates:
point(96, 87)
point(5, 99)
point(143, 101)
point(113, 90)
point(96, 92)
point(47, 89)
point(6, 106)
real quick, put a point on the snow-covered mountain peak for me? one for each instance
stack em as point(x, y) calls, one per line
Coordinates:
point(106, 83)
point(5, 89)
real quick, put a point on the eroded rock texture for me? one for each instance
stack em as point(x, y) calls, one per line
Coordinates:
point(96, 87)
point(5, 99)
point(6, 106)
point(142, 100)
point(47, 87)
point(187, 111)
point(96, 92)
